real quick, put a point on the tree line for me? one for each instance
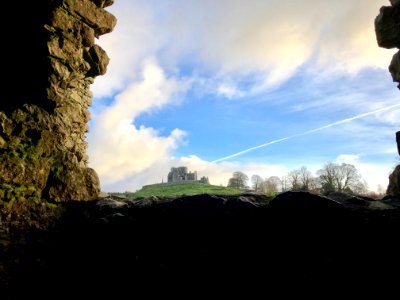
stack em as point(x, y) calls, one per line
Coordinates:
point(332, 177)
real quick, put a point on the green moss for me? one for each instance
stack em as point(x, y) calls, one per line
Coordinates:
point(58, 170)
point(32, 188)
point(20, 189)
point(25, 214)
point(9, 193)
point(6, 186)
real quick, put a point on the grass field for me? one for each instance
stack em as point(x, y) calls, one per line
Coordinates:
point(181, 189)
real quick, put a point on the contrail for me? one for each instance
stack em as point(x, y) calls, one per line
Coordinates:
point(306, 132)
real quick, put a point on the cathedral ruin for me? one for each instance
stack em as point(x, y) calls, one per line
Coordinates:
point(181, 174)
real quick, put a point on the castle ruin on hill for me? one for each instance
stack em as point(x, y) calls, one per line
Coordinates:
point(181, 174)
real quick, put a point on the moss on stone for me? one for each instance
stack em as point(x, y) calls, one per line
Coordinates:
point(43, 125)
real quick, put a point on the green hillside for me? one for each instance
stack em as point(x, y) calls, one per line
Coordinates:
point(181, 189)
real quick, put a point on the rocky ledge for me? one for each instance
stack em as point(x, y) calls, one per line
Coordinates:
point(202, 245)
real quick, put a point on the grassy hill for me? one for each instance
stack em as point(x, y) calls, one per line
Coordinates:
point(182, 189)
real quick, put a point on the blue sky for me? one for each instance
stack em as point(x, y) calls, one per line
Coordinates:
point(193, 82)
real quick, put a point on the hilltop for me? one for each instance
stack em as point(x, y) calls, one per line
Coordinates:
point(178, 190)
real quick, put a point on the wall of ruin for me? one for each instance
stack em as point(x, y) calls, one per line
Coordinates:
point(387, 28)
point(49, 67)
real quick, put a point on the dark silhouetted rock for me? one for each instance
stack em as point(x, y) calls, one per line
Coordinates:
point(393, 188)
point(299, 244)
point(387, 27)
point(394, 68)
point(394, 2)
point(358, 202)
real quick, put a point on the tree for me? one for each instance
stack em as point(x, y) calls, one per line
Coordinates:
point(238, 180)
point(256, 180)
point(271, 186)
point(326, 177)
point(361, 188)
point(306, 179)
point(284, 183)
point(341, 178)
point(294, 180)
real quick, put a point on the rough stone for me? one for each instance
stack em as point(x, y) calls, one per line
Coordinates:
point(100, 20)
point(394, 2)
point(387, 27)
point(103, 3)
point(98, 61)
point(393, 188)
point(44, 114)
point(394, 68)
point(398, 141)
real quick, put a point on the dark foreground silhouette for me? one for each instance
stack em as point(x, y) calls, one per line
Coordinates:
point(208, 246)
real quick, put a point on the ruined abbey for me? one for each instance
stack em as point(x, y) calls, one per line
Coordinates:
point(181, 174)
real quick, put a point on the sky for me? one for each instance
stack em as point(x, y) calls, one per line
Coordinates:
point(258, 86)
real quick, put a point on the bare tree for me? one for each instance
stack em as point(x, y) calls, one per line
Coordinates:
point(306, 179)
point(257, 181)
point(238, 180)
point(327, 177)
point(314, 185)
point(271, 185)
point(284, 183)
point(361, 188)
point(342, 178)
point(294, 180)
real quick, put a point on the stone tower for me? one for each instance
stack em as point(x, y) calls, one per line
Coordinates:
point(48, 67)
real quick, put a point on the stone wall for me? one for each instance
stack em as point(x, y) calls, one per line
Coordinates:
point(49, 65)
point(181, 174)
point(387, 28)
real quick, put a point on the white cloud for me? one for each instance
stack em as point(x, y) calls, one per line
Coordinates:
point(267, 40)
point(128, 45)
point(228, 90)
point(117, 148)
point(348, 158)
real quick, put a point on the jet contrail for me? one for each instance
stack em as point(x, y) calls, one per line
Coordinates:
point(306, 132)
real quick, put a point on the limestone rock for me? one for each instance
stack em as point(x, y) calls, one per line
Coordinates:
point(387, 27)
point(105, 3)
point(73, 184)
point(100, 20)
point(394, 2)
point(393, 188)
point(398, 141)
point(44, 111)
point(394, 68)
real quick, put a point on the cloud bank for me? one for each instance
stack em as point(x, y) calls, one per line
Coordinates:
point(234, 39)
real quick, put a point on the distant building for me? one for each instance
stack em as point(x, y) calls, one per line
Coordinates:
point(181, 174)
